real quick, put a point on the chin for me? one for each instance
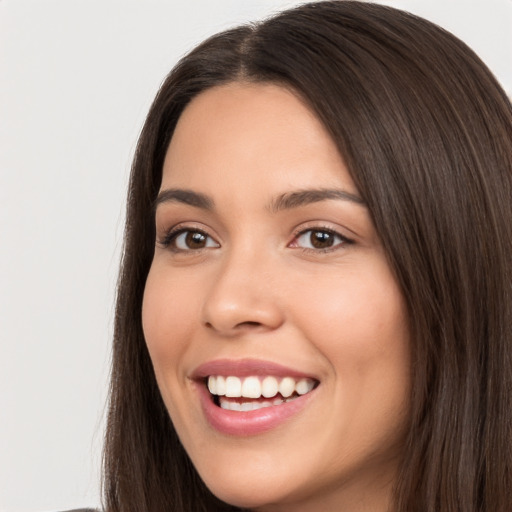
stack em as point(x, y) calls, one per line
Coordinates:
point(246, 495)
point(251, 487)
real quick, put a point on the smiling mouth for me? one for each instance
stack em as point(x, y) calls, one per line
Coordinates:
point(256, 392)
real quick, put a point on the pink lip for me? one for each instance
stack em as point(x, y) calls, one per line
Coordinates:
point(247, 423)
point(245, 368)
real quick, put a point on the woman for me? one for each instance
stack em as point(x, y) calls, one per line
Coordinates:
point(315, 300)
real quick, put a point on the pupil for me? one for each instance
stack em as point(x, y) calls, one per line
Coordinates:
point(321, 239)
point(195, 240)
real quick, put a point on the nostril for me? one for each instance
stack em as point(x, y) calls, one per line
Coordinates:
point(248, 324)
point(209, 325)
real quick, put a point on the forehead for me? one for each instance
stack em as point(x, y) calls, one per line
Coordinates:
point(244, 133)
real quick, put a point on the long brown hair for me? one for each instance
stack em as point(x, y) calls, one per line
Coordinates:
point(426, 132)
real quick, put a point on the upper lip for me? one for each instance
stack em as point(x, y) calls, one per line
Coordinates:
point(246, 368)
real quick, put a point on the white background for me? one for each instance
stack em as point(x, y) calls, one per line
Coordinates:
point(76, 79)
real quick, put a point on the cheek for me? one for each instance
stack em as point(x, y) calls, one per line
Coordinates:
point(166, 319)
point(358, 321)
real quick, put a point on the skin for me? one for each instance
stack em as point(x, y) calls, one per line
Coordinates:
point(259, 289)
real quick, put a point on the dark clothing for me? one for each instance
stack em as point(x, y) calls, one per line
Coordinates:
point(82, 510)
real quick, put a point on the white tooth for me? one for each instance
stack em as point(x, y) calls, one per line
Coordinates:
point(246, 406)
point(212, 385)
point(269, 387)
point(261, 405)
point(229, 405)
point(277, 401)
point(287, 387)
point(221, 386)
point(233, 387)
point(251, 387)
point(304, 386)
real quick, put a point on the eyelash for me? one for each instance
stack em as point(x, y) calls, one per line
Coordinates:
point(169, 241)
point(343, 240)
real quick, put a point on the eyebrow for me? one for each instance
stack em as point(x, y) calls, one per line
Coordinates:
point(286, 201)
point(299, 198)
point(178, 195)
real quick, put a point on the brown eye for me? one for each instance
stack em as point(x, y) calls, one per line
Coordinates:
point(195, 240)
point(189, 240)
point(320, 239)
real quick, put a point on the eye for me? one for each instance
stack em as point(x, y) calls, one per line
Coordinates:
point(188, 240)
point(319, 239)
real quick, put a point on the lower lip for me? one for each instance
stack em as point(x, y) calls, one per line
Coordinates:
point(248, 423)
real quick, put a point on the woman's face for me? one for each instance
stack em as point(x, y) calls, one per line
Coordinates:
point(269, 283)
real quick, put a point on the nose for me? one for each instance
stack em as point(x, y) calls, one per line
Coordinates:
point(242, 297)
